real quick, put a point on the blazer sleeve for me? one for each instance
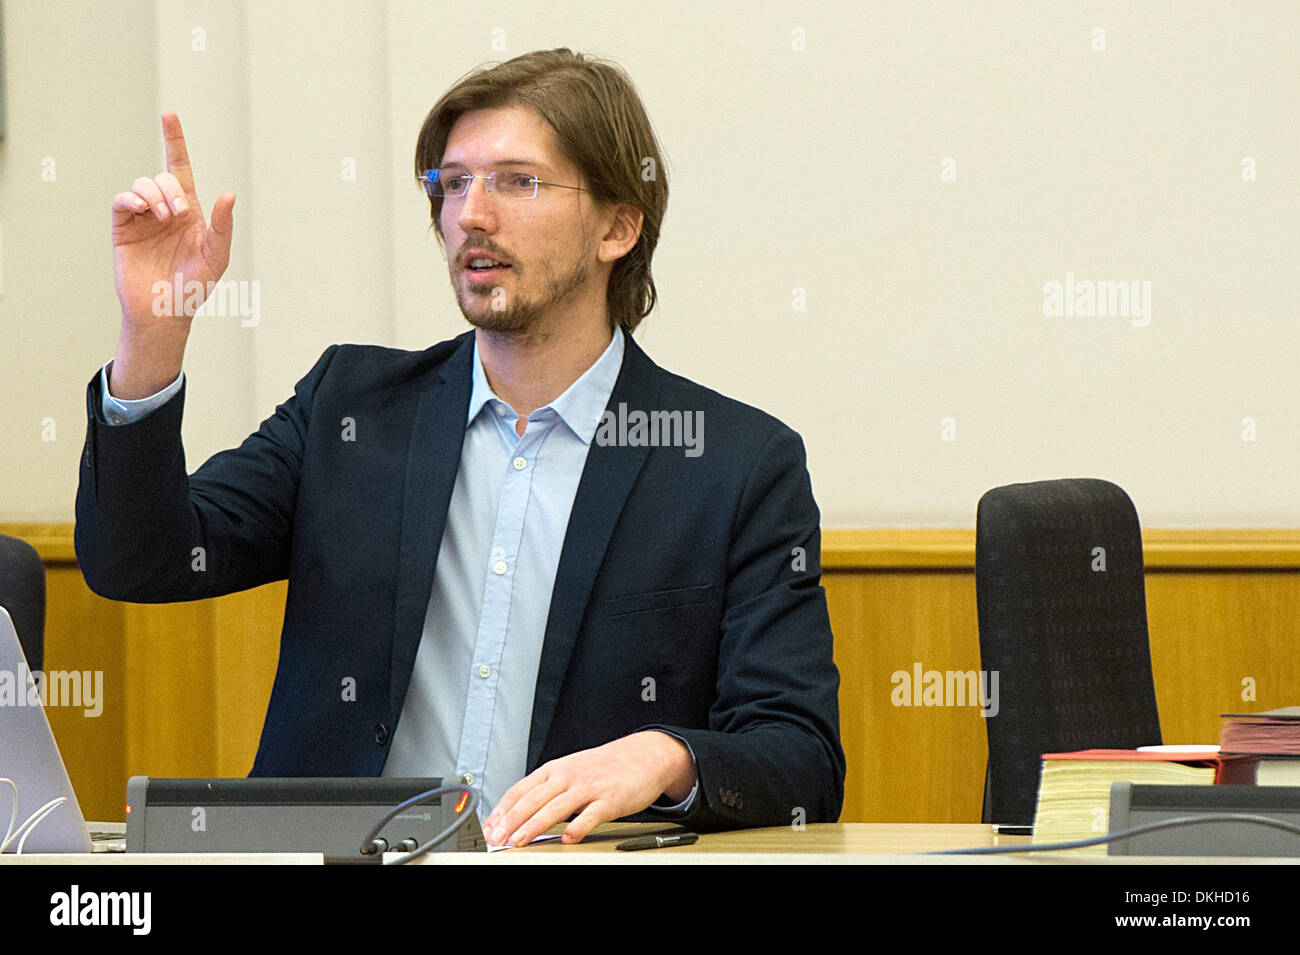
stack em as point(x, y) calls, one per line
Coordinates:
point(146, 532)
point(772, 754)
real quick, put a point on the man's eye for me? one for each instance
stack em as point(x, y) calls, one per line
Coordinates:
point(453, 183)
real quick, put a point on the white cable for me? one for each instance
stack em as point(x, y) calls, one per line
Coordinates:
point(13, 816)
point(37, 818)
point(31, 822)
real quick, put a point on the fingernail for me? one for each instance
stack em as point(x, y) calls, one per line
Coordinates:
point(162, 210)
point(181, 205)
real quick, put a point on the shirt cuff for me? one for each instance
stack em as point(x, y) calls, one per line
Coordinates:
point(121, 411)
point(686, 804)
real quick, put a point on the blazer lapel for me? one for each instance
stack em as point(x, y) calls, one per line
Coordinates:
point(437, 435)
point(607, 479)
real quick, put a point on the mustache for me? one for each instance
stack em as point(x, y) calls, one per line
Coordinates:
point(483, 246)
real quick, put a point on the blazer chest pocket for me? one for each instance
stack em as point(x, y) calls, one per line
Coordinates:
point(657, 600)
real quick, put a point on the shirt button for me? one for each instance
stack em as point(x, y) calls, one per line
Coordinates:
point(499, 567)
point(499, 408)
point(467, 779)
point(116, 419)
point(484, 670)
point(381, 734)
point(520, 464)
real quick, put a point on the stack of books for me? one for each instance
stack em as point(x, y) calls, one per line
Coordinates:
point(1273, 736)
point(1074, 790)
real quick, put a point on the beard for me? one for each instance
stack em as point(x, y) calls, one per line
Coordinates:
point(492, 309)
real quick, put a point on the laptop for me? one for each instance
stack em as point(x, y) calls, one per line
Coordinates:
point(30, 757)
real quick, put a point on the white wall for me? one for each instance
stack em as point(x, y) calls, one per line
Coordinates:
point(815, 168)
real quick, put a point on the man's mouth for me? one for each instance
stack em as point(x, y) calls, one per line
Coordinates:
point(481, 261)
point(484, 267)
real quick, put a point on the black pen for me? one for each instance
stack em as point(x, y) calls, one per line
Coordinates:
point(659, 842)
point(1005, 830)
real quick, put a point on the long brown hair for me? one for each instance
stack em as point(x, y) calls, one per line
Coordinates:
point(602, 128)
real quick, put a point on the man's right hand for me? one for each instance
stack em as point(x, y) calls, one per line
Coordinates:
point(159, 234)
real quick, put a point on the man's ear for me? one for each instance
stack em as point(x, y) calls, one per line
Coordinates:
point(623, 233)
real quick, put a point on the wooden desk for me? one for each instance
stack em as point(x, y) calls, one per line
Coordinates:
point(821, 844)
point(818, 839)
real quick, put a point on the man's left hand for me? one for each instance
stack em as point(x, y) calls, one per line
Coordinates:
point(620, 778)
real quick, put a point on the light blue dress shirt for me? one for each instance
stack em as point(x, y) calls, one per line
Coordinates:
point(117, 411)
point(468, 709)
point(469, 706)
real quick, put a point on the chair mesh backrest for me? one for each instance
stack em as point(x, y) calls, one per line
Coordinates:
point(1062, 618)
point(22, 593)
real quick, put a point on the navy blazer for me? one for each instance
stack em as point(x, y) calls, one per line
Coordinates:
point(701, 573)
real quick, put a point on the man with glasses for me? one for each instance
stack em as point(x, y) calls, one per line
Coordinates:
point(537, 576)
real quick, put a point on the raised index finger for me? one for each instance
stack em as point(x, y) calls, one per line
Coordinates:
point(178, 157)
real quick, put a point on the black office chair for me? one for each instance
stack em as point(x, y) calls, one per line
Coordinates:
point(22, 593)
point(1062, 617)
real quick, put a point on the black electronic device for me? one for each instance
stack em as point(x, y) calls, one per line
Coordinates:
point(1135, 805)
point(329, 815)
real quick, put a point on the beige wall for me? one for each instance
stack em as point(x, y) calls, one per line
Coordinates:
point(815, 168)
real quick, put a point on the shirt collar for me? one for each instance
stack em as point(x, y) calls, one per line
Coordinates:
point(581, 404)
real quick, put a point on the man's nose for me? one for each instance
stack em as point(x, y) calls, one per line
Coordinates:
point(478, 207)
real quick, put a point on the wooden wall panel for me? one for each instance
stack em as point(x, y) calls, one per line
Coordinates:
point(1216, 638)
point(201, 676)
point(84, 632)
point(171, 710)
point(186, 685)
point(248, 627)
point(906, 763)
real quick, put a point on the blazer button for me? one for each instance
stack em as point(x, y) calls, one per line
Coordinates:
point(381, 734)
